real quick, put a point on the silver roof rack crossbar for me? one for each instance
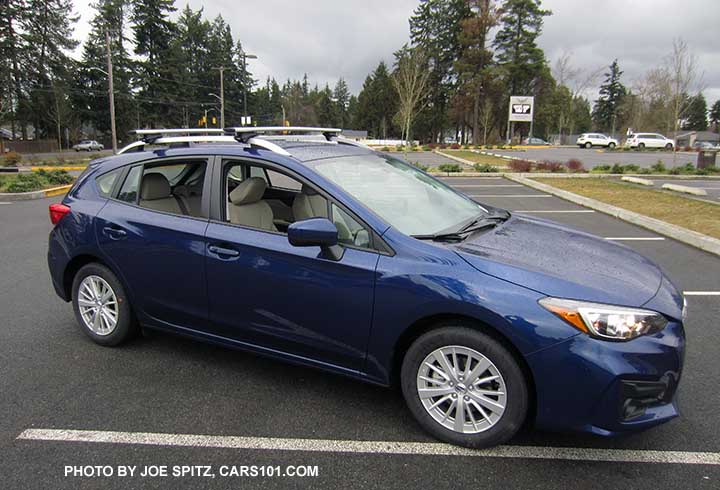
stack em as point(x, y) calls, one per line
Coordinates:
point(169, 140)
point(245, 133)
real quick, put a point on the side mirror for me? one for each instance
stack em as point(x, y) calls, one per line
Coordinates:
point(316, 232)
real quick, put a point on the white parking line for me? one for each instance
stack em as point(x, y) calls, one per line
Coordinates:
point(5, 203)
point(635, 238)
point(510, 195)
point(701, 293)
point(555, 211)
point(462, 186)
point(370, 447)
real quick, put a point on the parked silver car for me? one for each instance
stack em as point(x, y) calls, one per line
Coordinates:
point(88, 145)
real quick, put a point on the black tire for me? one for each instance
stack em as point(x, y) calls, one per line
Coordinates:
point(126, 326)
point(588, 145)
point(611, 146)
point(457, 334)
point(641, 146)
point(669, 147)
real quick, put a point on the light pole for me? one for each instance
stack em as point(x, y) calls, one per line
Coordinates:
point(222, 103)
point(111, 96)
point(245, 57)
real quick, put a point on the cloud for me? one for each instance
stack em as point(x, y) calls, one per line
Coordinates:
point(328, 39)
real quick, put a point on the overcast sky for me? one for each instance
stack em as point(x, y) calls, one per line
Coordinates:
point(328, 39)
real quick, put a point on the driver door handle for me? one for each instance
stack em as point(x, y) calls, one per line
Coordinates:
point(228, 252)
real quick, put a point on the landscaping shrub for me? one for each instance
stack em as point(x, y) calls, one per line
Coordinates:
point(426, 148)
point(385, 148)
point(629, 169)
point(617, 169)
point(659, 167)
point(688, 148)
point(601, 169)
point(484, 167)
point(443, 146)
point(11, 159)
point(432, 146)
point(450, 167)
point(26, 183)
point(399, 148)
point(575, 166)
point(59, 177)
point(419, 165)
point(455, 146)
point(517, 165)
point(548, 166)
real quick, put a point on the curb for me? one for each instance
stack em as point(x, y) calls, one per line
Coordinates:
point(28, 196)
point(453, 157)
point(638, 180)
point(56, 167)
point(685, 189)
point(689, 237)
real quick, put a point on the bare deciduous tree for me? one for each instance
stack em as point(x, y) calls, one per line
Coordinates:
point(411, 82)
point(577, 82)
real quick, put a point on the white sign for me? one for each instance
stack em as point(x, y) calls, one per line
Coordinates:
point(521, 108)
point(245, 120)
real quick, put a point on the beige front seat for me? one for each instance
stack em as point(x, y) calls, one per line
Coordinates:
point(248, 208)
point(156, 194)
point(309, 204)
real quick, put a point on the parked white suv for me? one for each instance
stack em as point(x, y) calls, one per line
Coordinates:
point(649, 140)
point(588, 140)
point(88, 145)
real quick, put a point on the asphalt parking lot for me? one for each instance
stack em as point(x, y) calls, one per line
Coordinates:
point(254, 411)
point(596, 156)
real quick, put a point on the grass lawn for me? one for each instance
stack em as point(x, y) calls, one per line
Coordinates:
point(682, 211)
point(477, 157)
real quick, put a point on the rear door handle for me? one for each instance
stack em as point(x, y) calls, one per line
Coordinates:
point(228, 252)
point(114, 233)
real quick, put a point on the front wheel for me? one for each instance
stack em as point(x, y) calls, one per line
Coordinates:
point(101, 306)
point(611, 146)
point(464, 387)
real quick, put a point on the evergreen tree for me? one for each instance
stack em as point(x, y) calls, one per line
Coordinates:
point(49, 34)
point(326, 108)
point(154, 33)
point(518, 54)
point(14, 56)
point(377, 103)
point(715, 114)
point(341, 95)
point(612, 93)
point(697, 114)
point(435, 27)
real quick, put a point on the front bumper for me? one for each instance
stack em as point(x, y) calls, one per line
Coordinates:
point(608, 388)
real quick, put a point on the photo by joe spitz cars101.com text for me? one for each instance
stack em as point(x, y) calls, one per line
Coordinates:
point(300, 245)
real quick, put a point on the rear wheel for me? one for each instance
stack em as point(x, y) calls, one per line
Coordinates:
point(101, 306)
point(669, 146)
point(611, 146)
point(641, 146)
point(588, 145)
point(464, 387)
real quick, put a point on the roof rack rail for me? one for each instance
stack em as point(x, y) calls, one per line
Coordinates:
point(248, 135)
point(245, 133)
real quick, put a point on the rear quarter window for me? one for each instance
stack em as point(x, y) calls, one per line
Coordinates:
point(106, 182)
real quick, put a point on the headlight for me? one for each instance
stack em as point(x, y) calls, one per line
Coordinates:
point(606, 321)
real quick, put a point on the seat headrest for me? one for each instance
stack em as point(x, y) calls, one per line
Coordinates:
point(154, 186)
point(249, 191)
point(308, 191)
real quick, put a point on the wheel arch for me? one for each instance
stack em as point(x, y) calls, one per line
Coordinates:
point(426, 324)
point(75, 264)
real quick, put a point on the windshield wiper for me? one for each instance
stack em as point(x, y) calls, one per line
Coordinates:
point(461, 235)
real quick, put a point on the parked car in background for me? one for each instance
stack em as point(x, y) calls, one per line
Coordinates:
point(649, 140)
point(588, 140)
point(704, 145)
point(535, 141)
point(88, 145)
point(328, 254)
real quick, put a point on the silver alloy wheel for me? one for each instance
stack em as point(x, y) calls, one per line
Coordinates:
point(461, 389)
point(98, 305)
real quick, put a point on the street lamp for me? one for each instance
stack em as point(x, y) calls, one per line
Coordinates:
point(245, 57)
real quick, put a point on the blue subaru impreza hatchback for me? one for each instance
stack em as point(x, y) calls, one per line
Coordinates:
point(314, 250)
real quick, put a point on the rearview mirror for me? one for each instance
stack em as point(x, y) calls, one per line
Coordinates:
point(316, 232)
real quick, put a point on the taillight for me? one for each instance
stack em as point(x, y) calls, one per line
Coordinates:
point(57, 211)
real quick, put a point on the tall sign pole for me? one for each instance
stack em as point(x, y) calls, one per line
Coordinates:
point(521, 110)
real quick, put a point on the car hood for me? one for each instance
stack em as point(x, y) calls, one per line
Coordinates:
point(562, 262)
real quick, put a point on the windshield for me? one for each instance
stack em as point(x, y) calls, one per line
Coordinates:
point(405, 197)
